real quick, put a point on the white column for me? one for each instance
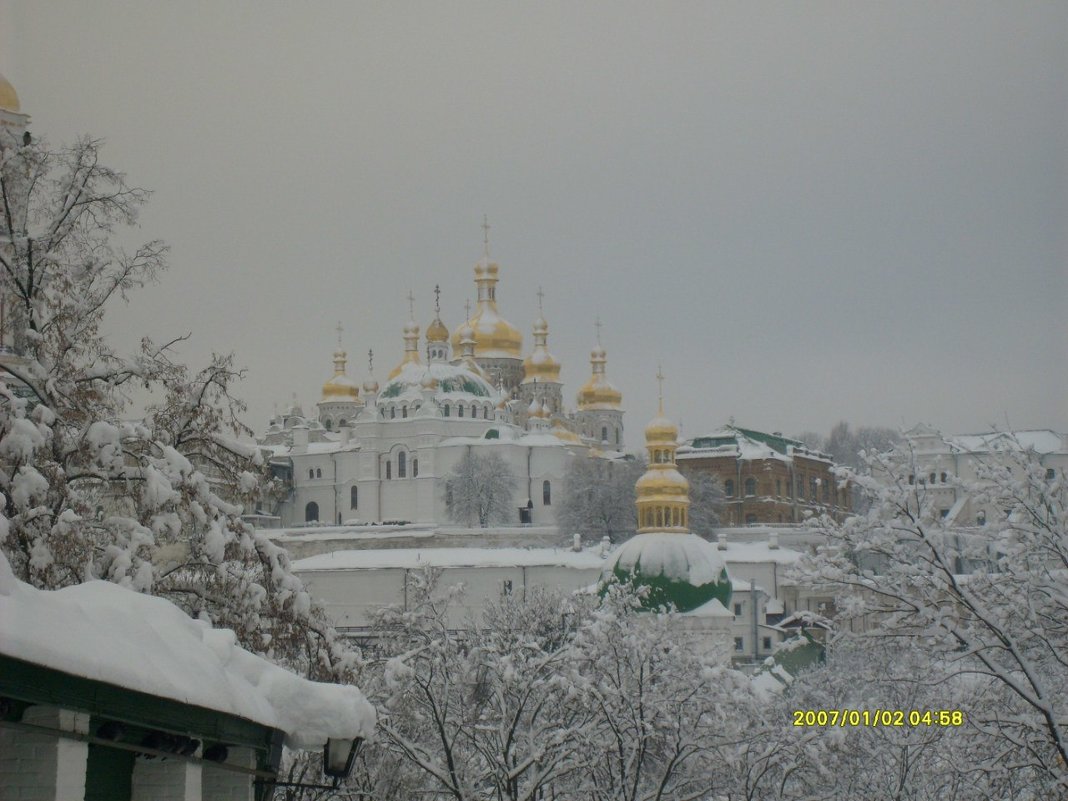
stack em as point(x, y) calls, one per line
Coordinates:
point(40, 766)
point(166, 780)
point(226, 785)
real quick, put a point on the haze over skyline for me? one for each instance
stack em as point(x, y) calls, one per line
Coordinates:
point(804, 213)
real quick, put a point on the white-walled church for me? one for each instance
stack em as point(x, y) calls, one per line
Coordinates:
point(385, 453)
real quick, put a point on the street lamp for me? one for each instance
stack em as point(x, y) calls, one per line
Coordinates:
point(338, 756)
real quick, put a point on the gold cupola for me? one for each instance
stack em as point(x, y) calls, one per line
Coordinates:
point(340, 388)
point(541, 365)
point(598, 393)
point(9, 98)
point(411, 341)
point(663, 493)
point(495, 337)
point(436, 331)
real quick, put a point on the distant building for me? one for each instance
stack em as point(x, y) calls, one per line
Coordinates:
point(947, 466)
point(767, 478)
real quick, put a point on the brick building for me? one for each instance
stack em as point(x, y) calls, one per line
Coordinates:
point(767, 478)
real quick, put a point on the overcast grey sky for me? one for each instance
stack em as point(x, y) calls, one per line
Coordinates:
point(807, 211)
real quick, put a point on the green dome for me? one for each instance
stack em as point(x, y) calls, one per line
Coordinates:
point(678, 569)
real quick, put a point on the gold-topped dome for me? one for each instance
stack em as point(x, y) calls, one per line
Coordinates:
point(9, 98)
point(437, 332)
point(340, 387)
point(663, 492)
point(598, 393)
point(541, 365)
point(495, 337)
point(411, 345)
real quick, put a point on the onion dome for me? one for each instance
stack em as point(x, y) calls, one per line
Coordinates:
point(370, 386)
point(411, 348)
point(340, 388)
point(671, 565)
point(9, 98)
point(429, 382)
point(495, 337)
point(541, 365)
point(680, 570)
point(437, 332)
point(598, 393)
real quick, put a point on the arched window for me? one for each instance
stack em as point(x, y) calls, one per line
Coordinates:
point(415, 468)
point(392, 412)
point(728, 487)
point(389, 469)
point(342, 423)
point(980, 518)
point(944, 476)
point(604, 433)
point(618, 439)
point(402, 465)
point(404, 411)
point(446, 410)
point(750, 487)
point(311, 473)
point(546, 493)
point(459, 410)
point(311, 512)
point(474, 411)
point(318, 473)
point(328, 424)
point(354, 497)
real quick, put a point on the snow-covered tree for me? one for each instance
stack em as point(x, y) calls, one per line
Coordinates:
point(598, 498)
point(480, 489)
point(89, 488)
point(706, 502)
point(900, 567)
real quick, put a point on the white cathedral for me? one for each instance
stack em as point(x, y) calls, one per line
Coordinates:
point(385, 454)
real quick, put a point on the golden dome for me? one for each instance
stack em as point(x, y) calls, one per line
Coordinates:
point(437, 332)
point(9, 98)
point(411, 349)
point(598, 393)
point(541, 365)
point(495, 337)
point(662, 484)
point(340, 387)
point(661, 431)
point(563, 434)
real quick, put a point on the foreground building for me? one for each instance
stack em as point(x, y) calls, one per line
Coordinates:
point(766, 478)
point(106, 693)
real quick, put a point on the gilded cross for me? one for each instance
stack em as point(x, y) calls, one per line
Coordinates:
point(411, 304)
point(541, 296)
point(485, 233)
point(437, 299)
point(339, 329)
point(597, 325)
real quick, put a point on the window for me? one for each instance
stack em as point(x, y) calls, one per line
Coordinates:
point(459, 410)
point(980, 518)
point(389, 469)
point(826, 491)
point(311, 512)
point(943, 477)
point(728, 487)
point(750, 519)
point(546, 493)
point(402, 465)
point(327, 424)
point(739, 644)
point(800, 487)
point(404, 411)
point(750, 487)
point(766, 643)
point(311, 473)
point(342, 423)
point(617, 436)
point(943, 513)
point(778, 487)
point(506, 587)
point(474, 411)
point(737, 610)
point(931, 478)
point(392, 412)
point(912, 478)
point(318, 473)
point(446, 410)
point(415, 468)
point(1051, 473)
point(604, 433)
point(354, 498)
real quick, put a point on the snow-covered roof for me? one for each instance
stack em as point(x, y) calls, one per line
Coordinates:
point(758, 552)
point(1040, 441)
point(101, 631)
point(455, 382)
point(713, 608)
point(413, 558)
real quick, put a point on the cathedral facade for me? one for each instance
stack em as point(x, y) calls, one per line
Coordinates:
point(381, 453)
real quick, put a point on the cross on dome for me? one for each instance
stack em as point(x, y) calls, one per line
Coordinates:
point(597, 324)
point(541, 296)
point(411, 304)
point(485, 235)
point(339, 329)
point(437, 298)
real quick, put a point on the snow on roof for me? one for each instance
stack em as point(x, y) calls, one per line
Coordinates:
point(1040, 441)
point(679, 557)
point(409, 558)
point(713, 608)
point(101, 631)
point(774, 607)
point(758, 552)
